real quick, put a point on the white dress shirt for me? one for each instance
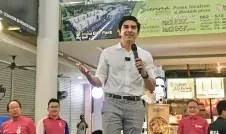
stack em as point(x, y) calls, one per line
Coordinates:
point(121, 77)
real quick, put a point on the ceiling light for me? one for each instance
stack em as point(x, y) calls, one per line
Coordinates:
point(0, 18)
point(218, 68)
point(11, 28)
point(97, 93)
point(79, 77)
point(60, 53)
point(1, 27)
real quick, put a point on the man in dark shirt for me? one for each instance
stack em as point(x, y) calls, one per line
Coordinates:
point(219, 126)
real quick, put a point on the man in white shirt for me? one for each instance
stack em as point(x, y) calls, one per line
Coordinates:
point(117, 73)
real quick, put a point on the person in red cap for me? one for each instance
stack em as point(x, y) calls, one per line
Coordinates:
point(193, 123)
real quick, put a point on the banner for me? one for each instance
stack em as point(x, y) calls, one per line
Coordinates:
point(180, 88)
point(21, 13)
point(157, 18)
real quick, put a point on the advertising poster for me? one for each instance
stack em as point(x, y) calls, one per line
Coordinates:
point(157, 18)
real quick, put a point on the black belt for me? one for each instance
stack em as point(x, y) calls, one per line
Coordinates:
point(132, 98)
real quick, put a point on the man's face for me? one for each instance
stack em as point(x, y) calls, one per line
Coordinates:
point(129, 31)
point(54, 109)
point(14, 109)
point(202, 111)
point(192, 108)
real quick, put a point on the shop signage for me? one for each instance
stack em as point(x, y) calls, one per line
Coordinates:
point(210, 88)
point(180, 88)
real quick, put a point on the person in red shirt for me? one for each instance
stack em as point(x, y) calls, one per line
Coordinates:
point(193, 123)
point(52, 124)
point(18, 124)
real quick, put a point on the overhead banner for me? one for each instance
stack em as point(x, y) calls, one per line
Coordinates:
point(21, 13)
point(157, 18)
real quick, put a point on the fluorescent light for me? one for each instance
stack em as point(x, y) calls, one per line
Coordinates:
point(1, 27)
point(13, 28)
point(60, 53)
point(100, 49)
point(0, 18)
point(70, 58)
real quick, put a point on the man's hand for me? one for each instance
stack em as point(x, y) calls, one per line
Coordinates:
point(92, 79)
point(83, 69)
point(140, 65)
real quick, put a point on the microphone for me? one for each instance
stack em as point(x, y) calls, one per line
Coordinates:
point(127, 58)
point(134, 49)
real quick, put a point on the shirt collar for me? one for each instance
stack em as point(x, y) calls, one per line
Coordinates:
point(221, 118)
point(193, 117)
point(118, 46)
point(56, 118)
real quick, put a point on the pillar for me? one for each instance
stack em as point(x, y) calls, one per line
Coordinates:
point(47, 56)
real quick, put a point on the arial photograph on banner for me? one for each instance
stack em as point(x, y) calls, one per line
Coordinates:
point(21, 13)
point(157, 18)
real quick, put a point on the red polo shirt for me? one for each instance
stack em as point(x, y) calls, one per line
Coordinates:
point(22, 125)
point(193, 125)
point(49, 125)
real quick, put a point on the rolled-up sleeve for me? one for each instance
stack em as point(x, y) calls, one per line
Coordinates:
point(102, 69)
point(149, 65)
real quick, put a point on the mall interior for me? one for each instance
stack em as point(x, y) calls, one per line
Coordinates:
point(41, 42)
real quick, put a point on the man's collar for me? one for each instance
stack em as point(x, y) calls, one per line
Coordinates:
point(58, 118)
point(193, 117)
point(118, 46)
point(220, 117)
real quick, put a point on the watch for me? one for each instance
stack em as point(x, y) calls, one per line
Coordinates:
point(145, 77)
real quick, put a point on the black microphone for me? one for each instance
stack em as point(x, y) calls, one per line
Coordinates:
point(134, 49)
point(127, 58)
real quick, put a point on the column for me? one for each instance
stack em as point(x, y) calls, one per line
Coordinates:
point(47, 56)
point(88, 107)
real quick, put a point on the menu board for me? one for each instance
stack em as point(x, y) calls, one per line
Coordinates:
point(180, 88)
point(210, 88)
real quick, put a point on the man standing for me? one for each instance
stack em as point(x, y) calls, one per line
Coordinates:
point(52, 124)
point(123, 75)
point(192, 123)
point(219, 126)
point(82, 125)
point(18, 124)
point(202, 112)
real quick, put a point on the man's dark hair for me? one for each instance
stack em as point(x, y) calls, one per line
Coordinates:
point(125, 18)
point(12, 101)
point(192, 101)
point(97, 132)
point(53, 100)
point(221, 106)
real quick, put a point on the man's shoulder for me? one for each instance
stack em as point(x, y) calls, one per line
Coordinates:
point(27, 119)
point(6, 123)
point(43, 119)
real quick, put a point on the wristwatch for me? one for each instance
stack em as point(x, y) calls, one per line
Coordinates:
point(145, 77)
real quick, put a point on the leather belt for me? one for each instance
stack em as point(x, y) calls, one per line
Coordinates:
point(131, 98)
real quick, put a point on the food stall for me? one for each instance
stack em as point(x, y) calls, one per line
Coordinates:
point(208, 91)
